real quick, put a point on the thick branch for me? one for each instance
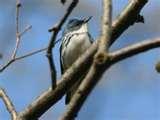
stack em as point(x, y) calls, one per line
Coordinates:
point(105, 36)
point(106, 26)
point(8, 104)
point(128, 17)
point(134, 49)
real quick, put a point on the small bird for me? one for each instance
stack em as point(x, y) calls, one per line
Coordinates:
point(75, 41)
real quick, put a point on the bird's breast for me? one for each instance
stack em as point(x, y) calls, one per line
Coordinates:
point(77, 45)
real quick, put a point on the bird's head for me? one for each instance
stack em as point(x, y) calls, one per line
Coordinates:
point(77, 25)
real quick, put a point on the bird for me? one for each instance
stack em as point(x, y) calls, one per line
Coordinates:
point(76, 39)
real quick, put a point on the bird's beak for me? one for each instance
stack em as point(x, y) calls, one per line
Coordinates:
point(87, 19)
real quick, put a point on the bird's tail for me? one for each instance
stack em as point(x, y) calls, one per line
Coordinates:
point(73, 89)
point(71, 92)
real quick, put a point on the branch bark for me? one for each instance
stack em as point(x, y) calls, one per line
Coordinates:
point(134, 49)
point(106, 26)
point(8, 104)
point(127, 18)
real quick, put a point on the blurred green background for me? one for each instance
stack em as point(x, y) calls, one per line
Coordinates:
point(129, 90)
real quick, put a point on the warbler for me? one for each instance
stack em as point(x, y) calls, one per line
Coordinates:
point(75, 41)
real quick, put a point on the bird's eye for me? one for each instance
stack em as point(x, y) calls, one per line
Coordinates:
point(77, 23)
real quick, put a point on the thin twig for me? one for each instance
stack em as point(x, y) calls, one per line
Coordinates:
point(18, 5)
point(35, 52)
point(8, 104)
point(56, 30)
point(24, 56)
point(28, 27)
point(18, 36)
point(6, 65)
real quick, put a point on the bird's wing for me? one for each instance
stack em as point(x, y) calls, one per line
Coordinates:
point(91, 38)
point(61, 61)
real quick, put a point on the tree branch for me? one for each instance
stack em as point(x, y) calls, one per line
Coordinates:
point(106, 26)
point(128, 17)
point(105, 36)
point(24, 56)
point(134, 49)
point(8, 104)
point(28, 27)
point(56, 30)
point(18, 37)
point(18, 5)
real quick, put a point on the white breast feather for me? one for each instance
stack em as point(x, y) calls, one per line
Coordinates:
point(77, 45)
